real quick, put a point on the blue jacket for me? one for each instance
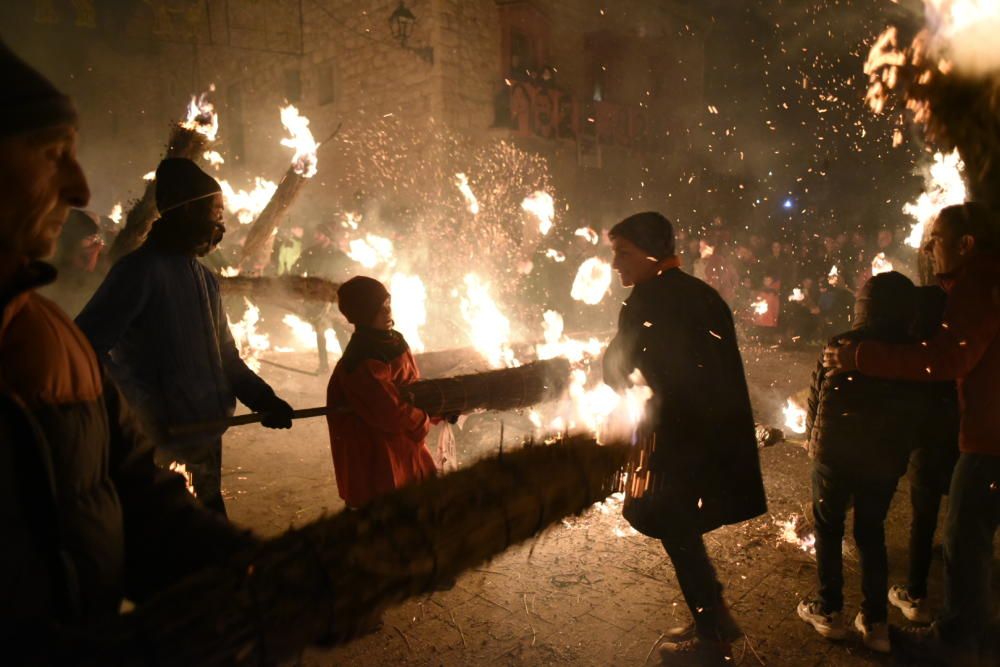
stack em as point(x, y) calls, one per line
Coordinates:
point(158, 323)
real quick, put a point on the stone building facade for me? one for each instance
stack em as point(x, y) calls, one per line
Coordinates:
point(601, 90)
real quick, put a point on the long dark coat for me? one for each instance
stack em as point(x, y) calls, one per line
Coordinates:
point(679, 332)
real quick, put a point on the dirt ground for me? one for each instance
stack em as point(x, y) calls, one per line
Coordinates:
point(588, 592)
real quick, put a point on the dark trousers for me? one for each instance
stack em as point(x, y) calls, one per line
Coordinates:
point(925, 502)
point(973, 515)
point(205, 465)
point(832, 495)
point(696, 577)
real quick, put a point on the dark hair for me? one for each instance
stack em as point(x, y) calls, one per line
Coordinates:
point(886, 303)
point(649, 230)
point(974, 219)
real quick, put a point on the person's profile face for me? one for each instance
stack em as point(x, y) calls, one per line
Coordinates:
point(383, 318)
point(634, 265)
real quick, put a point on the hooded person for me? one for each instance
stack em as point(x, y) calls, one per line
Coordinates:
point(159, 324)
point(379, 445)
point(698, 431)
point(88, 517)
point(860, 432)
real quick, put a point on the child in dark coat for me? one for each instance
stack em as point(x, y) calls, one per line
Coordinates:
point(860, 433)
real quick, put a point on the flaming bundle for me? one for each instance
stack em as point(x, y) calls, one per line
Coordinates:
point(280, 289)
point(505, 389)
point(257, 247)
point(949, 78)
point(322, 582)
point(188, 139)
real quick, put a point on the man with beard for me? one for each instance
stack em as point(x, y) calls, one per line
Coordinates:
point(158, 322)
point(701, 469)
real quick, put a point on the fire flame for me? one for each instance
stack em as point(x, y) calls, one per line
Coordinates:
point(964, 32)
point(944, 186)
point(797, 295)
point(213, 158)
point(760, 306)
point(470, 197)
point(305, 335)
point(880, 264)
point(247, 205)
point(557, 345)
point(540, 204)
point(201, 116)
point(705, 250)
point(592, 282)
point(116, 213)
point(796, 531)
point(489, 329)
point(588, 234)
point(795, 417)
point(409, 308)
point(555, 255)
point(371, 251)
point(304, 161)
point(181, 469)
point(250, 343)
point(229, 271)
point(149, 176)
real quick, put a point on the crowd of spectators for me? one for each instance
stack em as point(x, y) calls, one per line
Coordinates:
point(791, 289)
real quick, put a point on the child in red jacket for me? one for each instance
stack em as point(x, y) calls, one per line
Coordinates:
point(378, 445)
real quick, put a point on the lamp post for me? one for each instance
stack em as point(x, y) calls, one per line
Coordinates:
point(401, 24)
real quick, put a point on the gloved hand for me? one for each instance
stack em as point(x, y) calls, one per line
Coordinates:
point(277, 414)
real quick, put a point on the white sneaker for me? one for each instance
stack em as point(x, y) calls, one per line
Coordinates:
point(874, 635)
point(829, 625)
point(914, 609)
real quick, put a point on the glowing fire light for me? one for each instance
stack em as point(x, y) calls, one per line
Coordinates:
point(964, 32)
point(557, 345)
point(540, 204)
point(795, 417)
point(371, 251)
point(944, 186)
point(304, 161)
point(470, 198)
point(797, 295)
point(149, 176)
point(116, 213)
point(592, 282)
point(880, 264)
point(250, 343)
point(305, 335)
point(760, 306)
point(213, 158)
point(229, 271)
point(588, 234)
point(409, 308)
point(796, 531)
point(555, 255)
point(489, 329)
point(704, 250)
point(201, 116)
point(247, 205)
point(181, 469)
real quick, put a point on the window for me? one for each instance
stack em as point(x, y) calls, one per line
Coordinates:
point(325, 88)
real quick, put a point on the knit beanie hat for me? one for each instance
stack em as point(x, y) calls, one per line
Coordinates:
point(180, 181)
point(887, 302)
point(360, 299)
point(650, 231)
point(29, 101)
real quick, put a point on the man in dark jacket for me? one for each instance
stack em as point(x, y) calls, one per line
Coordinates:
point(966, 348)
point(87, 516)
point(158, 323)
point(860, 433)
point(703, 469)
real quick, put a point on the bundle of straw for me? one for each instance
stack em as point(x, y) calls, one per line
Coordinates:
point(304, 288)
point(505, 389)
point(323, 582)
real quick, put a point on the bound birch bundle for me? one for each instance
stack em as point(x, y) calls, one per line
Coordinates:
point(306, 288)
point(506, 389)
point(325, 581)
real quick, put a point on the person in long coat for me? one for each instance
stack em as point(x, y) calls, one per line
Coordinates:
point(698, 430)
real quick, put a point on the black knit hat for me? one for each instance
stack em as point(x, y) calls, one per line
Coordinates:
point(886, 302)
point(29, 101)
point(180, 181)
point(649, 230)
point(360, 299)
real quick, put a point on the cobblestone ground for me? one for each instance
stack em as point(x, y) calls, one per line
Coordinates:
point(589, 591)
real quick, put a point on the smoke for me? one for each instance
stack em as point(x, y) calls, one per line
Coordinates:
point(964, 32)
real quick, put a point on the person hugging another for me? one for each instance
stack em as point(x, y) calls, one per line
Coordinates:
point(860, 433)
point(378, 443)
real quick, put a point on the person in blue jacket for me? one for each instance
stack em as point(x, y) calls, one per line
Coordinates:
point(158, 323)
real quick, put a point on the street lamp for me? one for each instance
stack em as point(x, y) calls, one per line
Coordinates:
point(401, 25)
